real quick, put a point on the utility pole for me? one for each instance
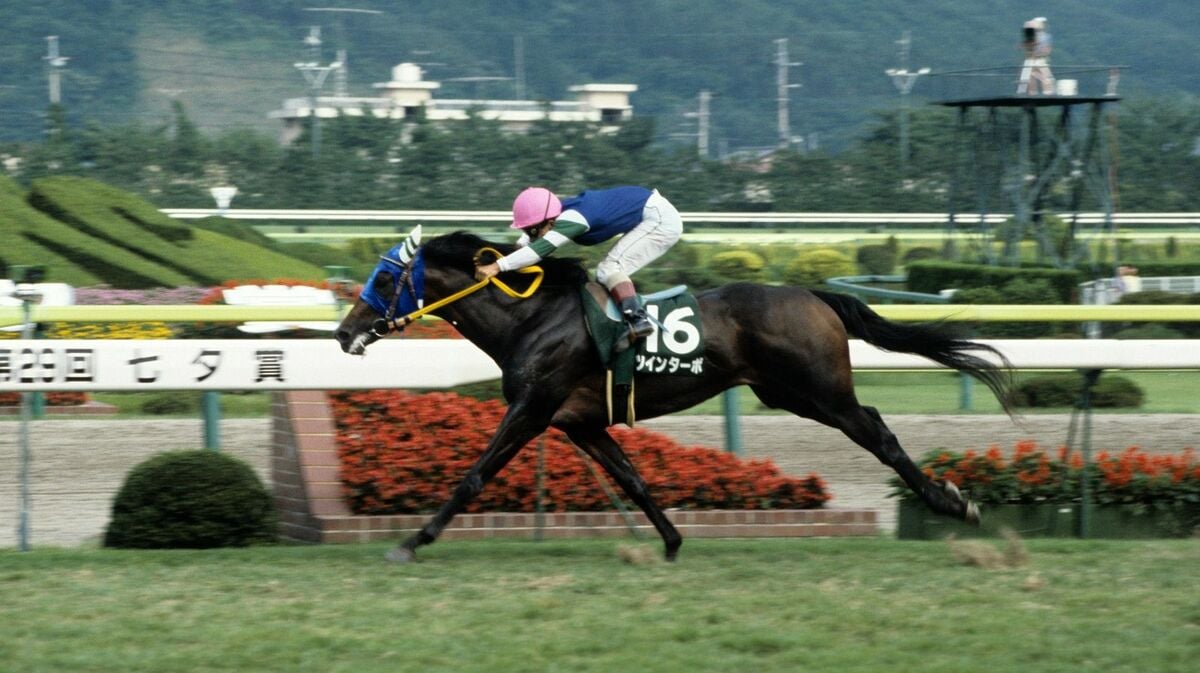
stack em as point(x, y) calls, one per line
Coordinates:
point(55, 63)
point(341, 74)
point(315, 74)
point(341, 87)
point(701, 115)
point(904, 81)
point(519, 66)
point(702, 122)
point(781, 82)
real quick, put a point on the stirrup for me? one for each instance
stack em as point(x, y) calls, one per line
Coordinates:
point(639, 325)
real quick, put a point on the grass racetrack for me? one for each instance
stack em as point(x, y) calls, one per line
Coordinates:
point(758, 605)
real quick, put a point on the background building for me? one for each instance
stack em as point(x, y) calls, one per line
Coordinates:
point(408, 96)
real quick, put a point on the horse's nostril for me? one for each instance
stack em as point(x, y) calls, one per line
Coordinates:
point(342, 335)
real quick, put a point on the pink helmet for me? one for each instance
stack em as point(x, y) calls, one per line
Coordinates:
point(533, 206)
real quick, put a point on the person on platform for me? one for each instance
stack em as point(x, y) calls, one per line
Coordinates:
point(1036, 43)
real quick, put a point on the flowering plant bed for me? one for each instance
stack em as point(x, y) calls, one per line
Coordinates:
point(1036, 492)
point(53, 399)
point(403, 453)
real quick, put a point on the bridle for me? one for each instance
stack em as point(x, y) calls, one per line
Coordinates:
point(381, 327)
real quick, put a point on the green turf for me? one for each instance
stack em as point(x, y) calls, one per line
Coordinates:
point(247, 405)
point(939, 393)
point(766, 605)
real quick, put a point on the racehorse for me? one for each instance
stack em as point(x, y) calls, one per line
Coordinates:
point(789, 344)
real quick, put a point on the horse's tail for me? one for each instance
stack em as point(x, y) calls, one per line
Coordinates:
point(932, 341)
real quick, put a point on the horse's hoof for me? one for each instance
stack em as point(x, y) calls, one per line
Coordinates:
point(672, 553)
point(401, 555)
point(972, 514)
point(952, 490)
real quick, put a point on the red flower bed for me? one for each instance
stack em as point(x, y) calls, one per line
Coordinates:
point(1032, 474)
point(55, 399)
point(404, 453)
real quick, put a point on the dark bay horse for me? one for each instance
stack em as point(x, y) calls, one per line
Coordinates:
point(788, 344)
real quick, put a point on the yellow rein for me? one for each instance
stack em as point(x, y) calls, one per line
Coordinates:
point(533, 286)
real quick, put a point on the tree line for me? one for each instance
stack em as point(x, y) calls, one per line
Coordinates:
point(363, 162)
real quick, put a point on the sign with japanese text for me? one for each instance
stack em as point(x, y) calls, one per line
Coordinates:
point(237, 364)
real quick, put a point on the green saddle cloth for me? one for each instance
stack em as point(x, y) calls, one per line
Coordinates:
point(675, 348)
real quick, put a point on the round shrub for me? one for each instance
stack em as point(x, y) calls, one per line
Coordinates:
point(172, 402)
point(878, 260)
point(1062, 390)
point(815, 266)
point(190, 500)
point(738, 265)
point(1117, 392)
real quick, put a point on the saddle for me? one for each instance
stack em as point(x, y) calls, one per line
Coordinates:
point(675, 348)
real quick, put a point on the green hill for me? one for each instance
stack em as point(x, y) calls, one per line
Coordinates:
point(86, 233)
point(231, 63)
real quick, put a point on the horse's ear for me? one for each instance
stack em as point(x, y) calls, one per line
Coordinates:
point(410, 245)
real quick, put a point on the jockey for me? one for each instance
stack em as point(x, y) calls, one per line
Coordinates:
point(649, 223)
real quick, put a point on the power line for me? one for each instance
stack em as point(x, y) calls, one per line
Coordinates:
point(221, 75)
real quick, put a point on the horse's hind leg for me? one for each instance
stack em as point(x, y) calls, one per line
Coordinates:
point(865, 427)
point(598, 444)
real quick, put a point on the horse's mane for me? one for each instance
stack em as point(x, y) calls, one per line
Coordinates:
point(457, 250)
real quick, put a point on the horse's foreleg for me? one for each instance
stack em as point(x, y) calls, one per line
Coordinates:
point(514, 432)
point(598, 444)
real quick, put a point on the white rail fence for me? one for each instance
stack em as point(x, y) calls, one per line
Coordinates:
point(917, 219)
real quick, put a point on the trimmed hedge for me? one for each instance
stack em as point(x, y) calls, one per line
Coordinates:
point(191, 500)
point(932, 276)
point(1154, 269)
point(1189, 330)
point(1016, 291)
point(17, 219)
point(129, 243)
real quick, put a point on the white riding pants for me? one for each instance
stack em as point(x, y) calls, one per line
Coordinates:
point(660, 228)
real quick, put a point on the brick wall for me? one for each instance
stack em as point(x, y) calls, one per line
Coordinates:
point(304, 472)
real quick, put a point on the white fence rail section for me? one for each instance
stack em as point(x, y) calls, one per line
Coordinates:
point(1107, 290)
point(319, 364)
point(49, 294)
point(1088, 218)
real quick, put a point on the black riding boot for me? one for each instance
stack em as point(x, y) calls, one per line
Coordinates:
point(636, 317)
